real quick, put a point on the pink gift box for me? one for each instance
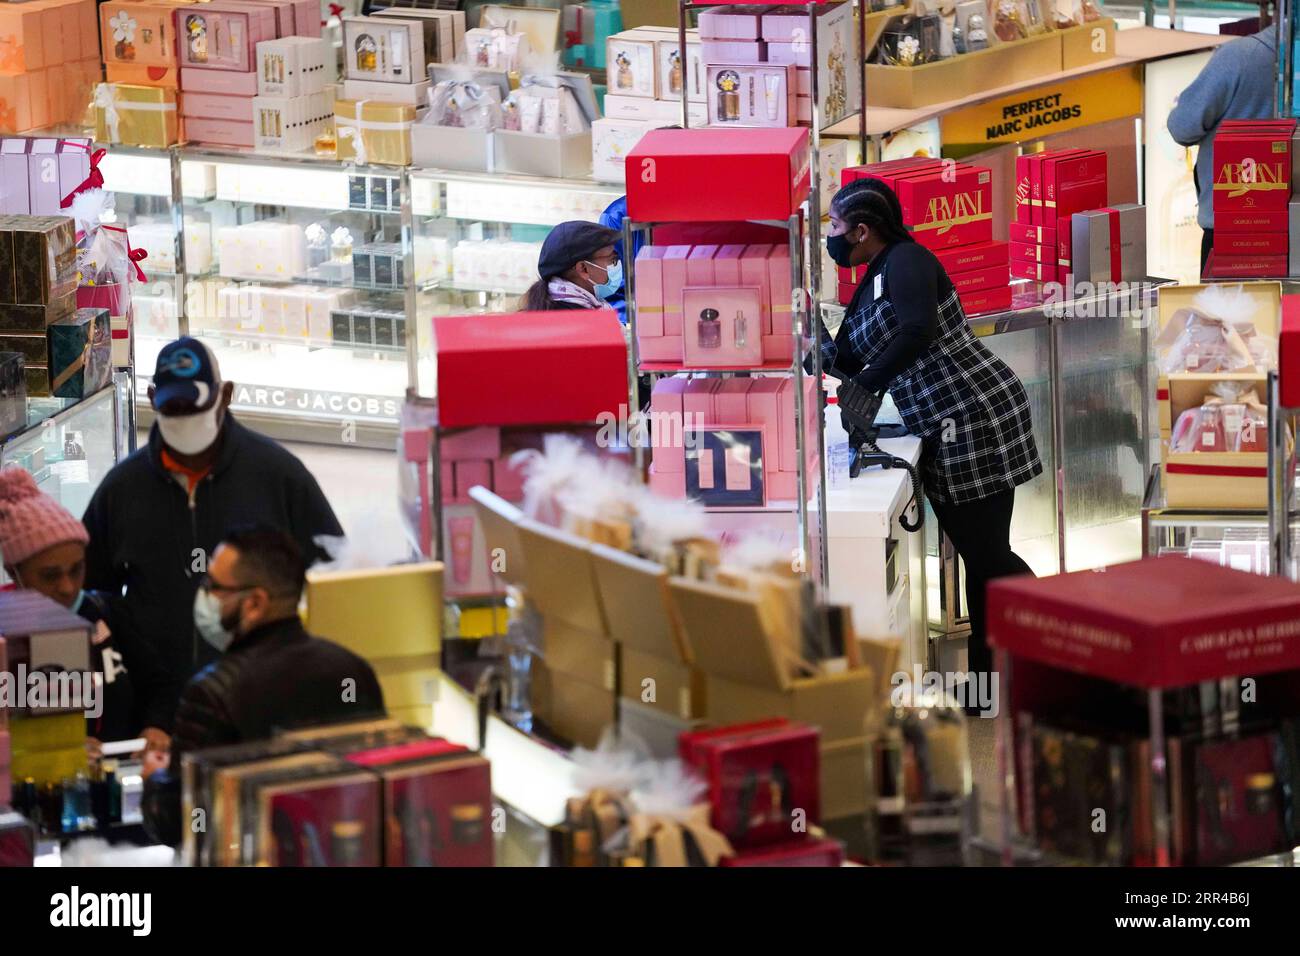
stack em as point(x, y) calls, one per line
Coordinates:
point(736, 346)
point(507, 480)
point(732, 51)
point(217, 106)
point(803, 109)
point(670, 484)
point(650, 292)
point(448, 480)
point(763, 407)
point(666, 423)
point(779, 280)
point(219, 132)
point(729, 400)
point(699, 266)
point(43, 177)
point(667, 348)
point(787, 444)
point(116, 298)
point(753, 271)
point(785, 27)
point(470, 474)
point(481, 443)
point(795, 54)
point(674, 280)
point(74, 165)
point(13, 177)
point(719, 25)
point(763, 94)
point(697, 401)
point(726, 265)
point(225, 82)
point(778, 348)
point(222, 35)
point(803, 82)
point(782, 485)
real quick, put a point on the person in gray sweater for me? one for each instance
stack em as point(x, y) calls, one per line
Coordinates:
point(1239, 82)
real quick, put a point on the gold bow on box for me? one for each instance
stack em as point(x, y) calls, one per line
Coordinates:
point(603, 812)
point(665, 839)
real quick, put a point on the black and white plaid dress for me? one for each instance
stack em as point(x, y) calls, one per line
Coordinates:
point(969, 409)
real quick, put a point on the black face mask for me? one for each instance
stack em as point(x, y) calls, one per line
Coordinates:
point(840, 250)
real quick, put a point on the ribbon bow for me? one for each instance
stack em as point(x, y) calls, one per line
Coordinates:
point(466, 95)
point(94, 181)
point(666, 834)
point(106, 100)
point(341, 236)
point(605, 810)
point(354, 133)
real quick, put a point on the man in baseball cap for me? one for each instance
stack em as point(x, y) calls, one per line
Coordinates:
point(159, 514)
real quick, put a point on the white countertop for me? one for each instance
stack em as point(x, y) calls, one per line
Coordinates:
point(866, 507)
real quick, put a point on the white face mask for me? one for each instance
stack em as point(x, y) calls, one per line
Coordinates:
point(191, 434)
point(208, 620)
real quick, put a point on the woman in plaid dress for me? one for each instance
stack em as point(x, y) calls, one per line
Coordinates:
point(905, 331)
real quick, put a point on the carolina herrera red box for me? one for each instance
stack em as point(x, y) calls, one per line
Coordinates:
point(1033, 165)
point(945, 209)
point(1250, 243)
point(1061, 173)
point(980, 255)
point(1194, 621)
point(758, 775)
point(437, 803)
point(717, 175)
point(986, 300)
point(584, 354)
point(1252, 170)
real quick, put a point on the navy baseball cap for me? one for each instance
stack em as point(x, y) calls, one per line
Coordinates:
point(186, 370)
point(570, 243)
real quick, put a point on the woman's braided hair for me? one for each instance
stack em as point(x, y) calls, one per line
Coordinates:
point(871, 203)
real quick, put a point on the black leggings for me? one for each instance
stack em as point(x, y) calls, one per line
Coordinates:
point(981, 532)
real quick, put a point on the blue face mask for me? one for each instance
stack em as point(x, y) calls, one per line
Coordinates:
point(76, 605)
point(613, 280)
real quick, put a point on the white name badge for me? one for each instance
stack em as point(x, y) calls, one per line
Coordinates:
point(878, 289)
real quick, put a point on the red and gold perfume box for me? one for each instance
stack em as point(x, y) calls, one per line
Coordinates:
point(1029, 178)
point(1223, 266)
point(1233, 243)
point(1196, 621)
point(1038, 271)
point(889, 168)
point(759, 775)
point(1250, 220)
point(980, 255)
point(1033, 252)
point(1028, 232)
point(1067, 178)
point(718, 175)
point(437, 803)
point(980, 279)
point(949, 207)
point(1252, 170)
point(986, 301)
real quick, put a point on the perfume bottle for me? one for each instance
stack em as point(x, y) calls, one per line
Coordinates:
point(347, 843)
point(624, 73)
point(709, 329)
point(741, 330)
point(728, 84)
point(341, 244)
point(675, 73)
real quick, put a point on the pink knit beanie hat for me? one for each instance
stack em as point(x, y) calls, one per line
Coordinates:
point(30, 520)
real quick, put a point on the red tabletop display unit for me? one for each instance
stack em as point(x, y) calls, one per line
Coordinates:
point(489, 367)
point(718, 175)
point(1288, 353)
point(1155, 623)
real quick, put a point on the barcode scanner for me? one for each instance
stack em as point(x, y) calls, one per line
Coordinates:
point(858, 410)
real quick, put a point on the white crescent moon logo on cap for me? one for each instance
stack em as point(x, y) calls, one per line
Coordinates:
point(203, 394)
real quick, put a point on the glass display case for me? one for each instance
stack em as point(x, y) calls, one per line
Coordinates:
point(291, 268)
point(69, 445)
point(476, 242)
